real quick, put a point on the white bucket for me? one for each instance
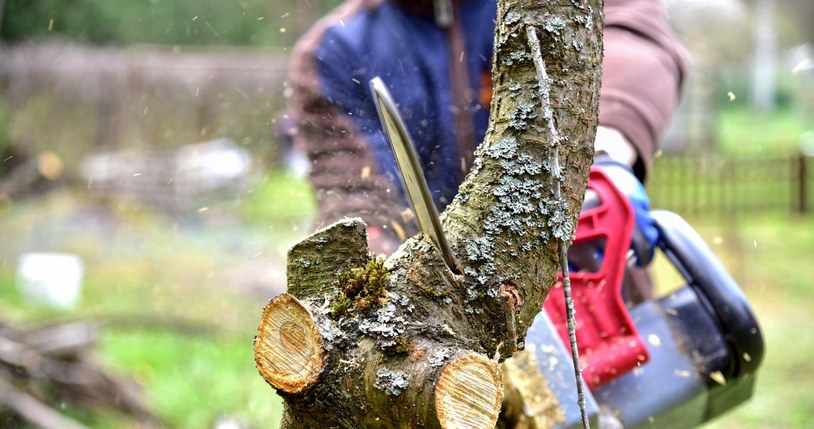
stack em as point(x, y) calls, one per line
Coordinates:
point(53, 279)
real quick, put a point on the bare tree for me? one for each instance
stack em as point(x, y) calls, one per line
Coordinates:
point(408, 342)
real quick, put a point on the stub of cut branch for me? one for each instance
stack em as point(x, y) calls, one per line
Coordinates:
point(288, 348)
point(469, 393)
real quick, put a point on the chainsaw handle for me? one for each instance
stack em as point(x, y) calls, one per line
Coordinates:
point(712, 282)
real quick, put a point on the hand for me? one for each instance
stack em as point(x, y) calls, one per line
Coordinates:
point(645, 233)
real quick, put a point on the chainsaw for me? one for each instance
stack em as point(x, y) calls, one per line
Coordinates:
point(703, 343)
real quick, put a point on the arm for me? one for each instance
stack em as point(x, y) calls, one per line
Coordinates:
point(643, 70)
point(336, 131)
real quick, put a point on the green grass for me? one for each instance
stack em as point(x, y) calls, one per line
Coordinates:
point(770, 257)
point(746, 132)
point(193, 380)
point(171, 317)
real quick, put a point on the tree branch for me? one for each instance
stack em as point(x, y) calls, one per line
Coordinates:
point(406, 343)
point(539, 63)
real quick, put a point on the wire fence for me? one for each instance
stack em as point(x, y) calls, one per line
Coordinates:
point(705, 185)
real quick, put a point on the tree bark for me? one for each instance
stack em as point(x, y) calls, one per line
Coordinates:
point(406, 342)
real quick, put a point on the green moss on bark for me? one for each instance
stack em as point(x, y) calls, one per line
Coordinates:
point(360, 288)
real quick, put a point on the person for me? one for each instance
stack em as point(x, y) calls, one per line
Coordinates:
point(435, 57)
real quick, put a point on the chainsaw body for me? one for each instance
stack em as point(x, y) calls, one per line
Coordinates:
point(673, 362)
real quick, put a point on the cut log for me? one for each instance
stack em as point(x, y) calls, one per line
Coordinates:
point(469, 393)
point(288, 348)
point(530, 402)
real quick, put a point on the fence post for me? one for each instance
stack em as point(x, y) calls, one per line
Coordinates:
point(802, 179)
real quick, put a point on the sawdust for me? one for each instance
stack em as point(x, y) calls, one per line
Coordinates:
point(539, 405)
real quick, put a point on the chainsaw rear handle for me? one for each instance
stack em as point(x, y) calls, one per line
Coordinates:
point(716, 289)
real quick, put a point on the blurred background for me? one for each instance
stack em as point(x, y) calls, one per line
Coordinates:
point(148, 195)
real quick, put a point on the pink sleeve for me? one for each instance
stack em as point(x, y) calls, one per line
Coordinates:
point(643, 70)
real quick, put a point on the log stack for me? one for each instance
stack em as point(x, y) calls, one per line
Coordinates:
point(46, 368)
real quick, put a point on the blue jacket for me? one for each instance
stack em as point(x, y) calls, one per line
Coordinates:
point(412, 55)
point(354, 171)
point(335, 62)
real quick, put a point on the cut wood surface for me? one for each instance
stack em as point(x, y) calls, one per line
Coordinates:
point(288, 346)
point(469, 393)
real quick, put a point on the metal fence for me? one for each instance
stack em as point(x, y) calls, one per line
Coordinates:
point(714, 185)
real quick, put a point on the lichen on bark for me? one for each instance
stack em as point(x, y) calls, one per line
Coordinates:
point(506, 219)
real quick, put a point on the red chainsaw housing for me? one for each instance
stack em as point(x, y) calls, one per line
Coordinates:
point(608, 341)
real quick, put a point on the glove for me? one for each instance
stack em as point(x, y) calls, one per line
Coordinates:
point(645, 233)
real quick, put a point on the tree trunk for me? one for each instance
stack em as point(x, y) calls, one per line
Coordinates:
point(405, 342)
